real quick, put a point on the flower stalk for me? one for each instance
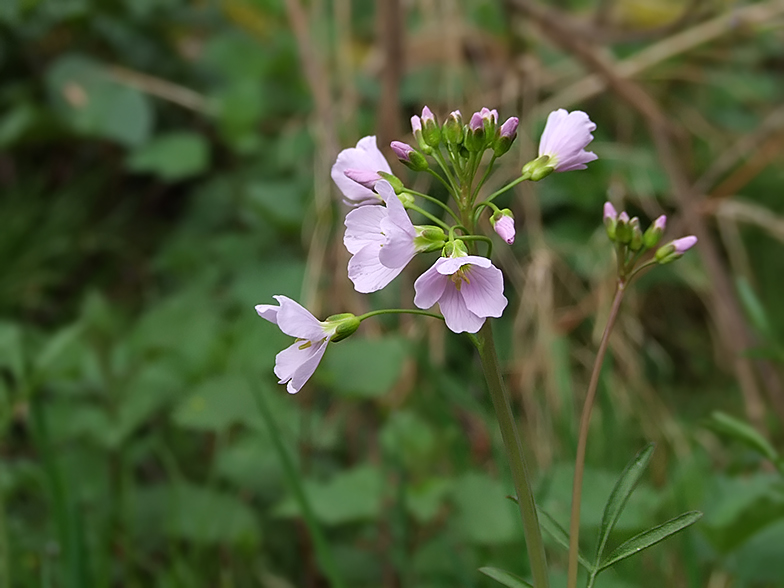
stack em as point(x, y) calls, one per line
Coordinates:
point(514, 454)
point(582, 441)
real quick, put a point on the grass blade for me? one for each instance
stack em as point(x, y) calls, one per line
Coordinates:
point(508, 579)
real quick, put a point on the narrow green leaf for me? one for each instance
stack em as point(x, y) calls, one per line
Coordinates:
point(754, 308)
point(743, 432)
point(508, 579)
point(650, 537)
point(620, 494)
point(558, 533)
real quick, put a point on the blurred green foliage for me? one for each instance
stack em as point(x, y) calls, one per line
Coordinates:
point(156, 172)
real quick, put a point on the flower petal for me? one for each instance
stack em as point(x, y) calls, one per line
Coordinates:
point(429, 287)
point(484, 292)
point(398, 248)
point(295, 364)
point(448, 265)
point(296, 321)
point(363, 227)
point(269, 312)
point(565, 137)
point(367, 273)
point(458, 317)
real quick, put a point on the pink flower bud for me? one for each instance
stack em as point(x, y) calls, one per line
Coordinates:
point(660, 223)
point(427, 115)
point(476, 122)
point(416, 124)
point(505, 228)
point(509, 128)
point(623, 217)
point(610, 213)
point(683, 244)
point(363, 177)
point(402, 150)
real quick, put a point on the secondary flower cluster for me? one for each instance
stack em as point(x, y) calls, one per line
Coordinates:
point(382, 239)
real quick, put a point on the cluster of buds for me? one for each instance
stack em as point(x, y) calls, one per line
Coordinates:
point(632, 242)
point(461, 140)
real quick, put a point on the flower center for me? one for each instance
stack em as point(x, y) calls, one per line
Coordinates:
point(461, 276)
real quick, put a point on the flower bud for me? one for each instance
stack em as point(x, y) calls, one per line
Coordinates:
point(636, 241)
point(406, 199)
point(503, 224)
point(506, 136)
point(347, 325)
point(409, 156)
point(610, 220)
point(475, 139)
point(675, 249)
point(654, 232)
point(416, 129)
point(363, 177)
point(456, 248)
point(428, 238)
point(452, 130)
point(431, 132)
point(394, 181)
point(623, 232)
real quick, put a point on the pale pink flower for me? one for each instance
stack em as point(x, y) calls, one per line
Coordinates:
point(564, 139)
point(468, 289)
point(505, 227)
point(358, 162)
point(478, 118)
point(381, 241)
point(296, 364)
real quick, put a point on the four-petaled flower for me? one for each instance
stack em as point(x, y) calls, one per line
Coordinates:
point(564, 139)
point(468, 289)
point(356, 168)
point(381, 241)
point(295, 364)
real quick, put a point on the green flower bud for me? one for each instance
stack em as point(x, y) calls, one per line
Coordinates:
point(636, 241)
point(654, 232)
point(623, 232)
point(456, 248)
point(452, 131)
point(428, 238)
point(347, 325)
point(431, 132)
point(394, 181)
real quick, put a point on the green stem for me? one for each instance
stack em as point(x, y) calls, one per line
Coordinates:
point(434, 201)
point(323, 552)
point(438, 156)
point(367, 315)
point(484, 178)
point(487, 240)
point(514, 453)
point(509, 186)
point(582, 441)
point(426, 214)
point(440, 178)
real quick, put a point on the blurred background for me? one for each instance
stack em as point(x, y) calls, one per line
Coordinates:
point(164, 166)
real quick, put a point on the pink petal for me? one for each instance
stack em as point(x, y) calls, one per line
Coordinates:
point(366, 271)
point(398, 248)
point(458, 317)
point(565, 137)
point(294, 365)
point(385, 191)
point(296, 321)
point(484, 292)
point(363, 227)
point(446, 266)
point(429, 287)
point(269, 312)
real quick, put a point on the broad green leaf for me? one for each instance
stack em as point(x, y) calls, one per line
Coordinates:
point(218, 404)
point(409, 438)
point(483, 516)
point(364, 368)
point(193, 513)
point(57, 345)
point(558, 533)
point(620, 494)
point(743, 432)
point(353, 495)
point(758, 560)
point(91, 103)
point(172, 157)
point(650, 537)
point(506, 578)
